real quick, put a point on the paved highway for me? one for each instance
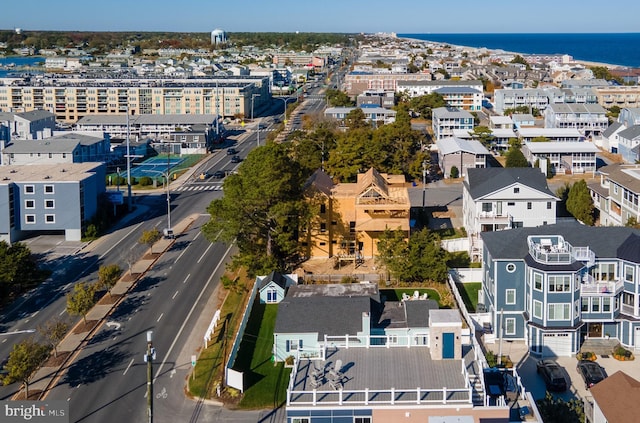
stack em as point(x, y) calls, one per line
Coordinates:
point(107, 381)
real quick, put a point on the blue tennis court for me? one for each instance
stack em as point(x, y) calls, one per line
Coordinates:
point(153, 167)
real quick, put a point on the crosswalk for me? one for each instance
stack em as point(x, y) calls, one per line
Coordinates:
point(198, 188)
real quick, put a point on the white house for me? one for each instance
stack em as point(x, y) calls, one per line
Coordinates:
point(565, 157)
point(503, 198)
point(445, 120)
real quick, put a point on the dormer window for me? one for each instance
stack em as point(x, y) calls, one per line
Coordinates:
point(516, 190)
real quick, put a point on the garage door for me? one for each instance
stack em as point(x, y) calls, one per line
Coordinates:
point(557, 344)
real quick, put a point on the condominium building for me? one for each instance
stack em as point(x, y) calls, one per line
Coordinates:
point(74, 97)
point(589, 119)
point(617, 95)
point(616, 194)
point(355, 83)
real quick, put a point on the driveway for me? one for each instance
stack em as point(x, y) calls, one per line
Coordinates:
point(526, 366)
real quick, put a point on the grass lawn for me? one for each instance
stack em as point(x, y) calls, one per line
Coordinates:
point(209, 366)
point(469, 294)
point(267, 383)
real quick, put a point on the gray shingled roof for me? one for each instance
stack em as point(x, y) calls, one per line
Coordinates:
point(604, 241)
point(481, 182)
point(34, 115)
point(611, 129)
point(630, 249)
point(630, 133)
point(623, 175)
point(60, 144)
point(276, 278)
point(324, 315)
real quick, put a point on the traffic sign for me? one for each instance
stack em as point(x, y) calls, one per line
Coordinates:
point(193, 361)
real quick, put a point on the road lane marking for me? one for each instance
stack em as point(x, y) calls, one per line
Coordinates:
point(64, 310)
point(182, 253)
point(198, 234)
point(174, 295)
point(161, 314)
point(127, 369)
point(205, 253)
point(193, 307)
point(187, 278)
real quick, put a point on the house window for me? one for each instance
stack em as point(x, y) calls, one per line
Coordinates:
point(29, 189)
point(615, 188)
point(486, 207)
point(528, 205)
point(352, 227)
point(510, 326)
point(595, 304)
point(537, 281)
point(537, 309)
point(510, 295)
point(293, 345)
point(516, 190)
point(511, 267)
point(393, 339)
point(628, 273)
point(323, 208)
point(30, 218)
point(272, 295)
point(48, 189)
point(301, 420)
point(560, 283)
point(585, 304)
point(362, 420)
point(50, 218)
point(511, 203)
point(323, 227)
point(559, 311)
point(29, 204)
point(548, 205)
point(49, 204)
point(606, 304)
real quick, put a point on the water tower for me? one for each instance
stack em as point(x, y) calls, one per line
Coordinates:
point(218, 36)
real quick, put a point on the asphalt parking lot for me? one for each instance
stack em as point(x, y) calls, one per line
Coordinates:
point(526, 367)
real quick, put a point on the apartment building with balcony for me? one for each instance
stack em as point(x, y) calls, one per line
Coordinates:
point(445, 120)
point(355, 83)
point(616, 194)
point(589, 119)
point(71, 98)
point(622, 96)
point(553, 286)
point(463, 98)
point(372, 114)
point(565, 157)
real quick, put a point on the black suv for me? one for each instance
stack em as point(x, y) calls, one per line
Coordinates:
point(552, 374)
point(218, 174)
point(231, 151)
point(236, 159)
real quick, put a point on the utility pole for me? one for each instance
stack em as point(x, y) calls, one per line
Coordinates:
point(150, 355)
point(424, 183)
point(128, 165)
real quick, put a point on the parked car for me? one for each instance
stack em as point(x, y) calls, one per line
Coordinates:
point(218, 174)
point(553, 375)
point(231, 151)
point(591, 372)
point(236, 159)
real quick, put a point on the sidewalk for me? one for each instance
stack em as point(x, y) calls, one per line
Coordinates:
point(72, 344)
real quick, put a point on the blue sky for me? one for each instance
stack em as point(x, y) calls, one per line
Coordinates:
point(403, 16)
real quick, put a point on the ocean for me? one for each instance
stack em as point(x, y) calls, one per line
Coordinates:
point(13, 64)
point(613, 49)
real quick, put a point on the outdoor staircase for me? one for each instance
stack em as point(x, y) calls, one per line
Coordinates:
point(476, 390)
point(599, 346)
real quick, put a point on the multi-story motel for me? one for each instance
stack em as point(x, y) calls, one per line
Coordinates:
point(464, 95)
point(616, 195)
point(71, 98)
point(355, 83)
point(540, 98)
point(49, 198)
point(616, 95)
point(553, 286)
point(589, 119)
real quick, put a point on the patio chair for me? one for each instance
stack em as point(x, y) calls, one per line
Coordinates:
point(416, 295)
point(336, 385)
point(317, 372)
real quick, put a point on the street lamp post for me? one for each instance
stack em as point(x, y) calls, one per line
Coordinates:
point(128, 165)
point(253, 96)
point(285, 101)
point(149, 357)
point(424, 182)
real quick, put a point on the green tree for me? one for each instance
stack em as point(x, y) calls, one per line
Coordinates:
point(108, 275)
point(515, 158)
point(356, 119)
point(18, 268)
point(54, 331)
point(262, 208)
point(632, 222)
point(540, 139)
point(351, 154)
point(337, 98)
point(424, 104)
point(24, 360)
point(454, 172)
point(521, 60)
point(580, 203)
point(81, 300)
point(483, 134)
point(393, 253)
point(149, 238)
point(557, 410)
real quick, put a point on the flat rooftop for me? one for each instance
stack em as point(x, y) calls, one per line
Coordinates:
point(381, 369)
point(54, 172)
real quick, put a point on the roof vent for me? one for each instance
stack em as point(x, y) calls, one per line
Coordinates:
point(63, 170)
point(47, 177)
point(12, 171)
point(6, 178)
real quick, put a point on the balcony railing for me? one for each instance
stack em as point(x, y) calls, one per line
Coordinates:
point(596, 287)
point(627, 309)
